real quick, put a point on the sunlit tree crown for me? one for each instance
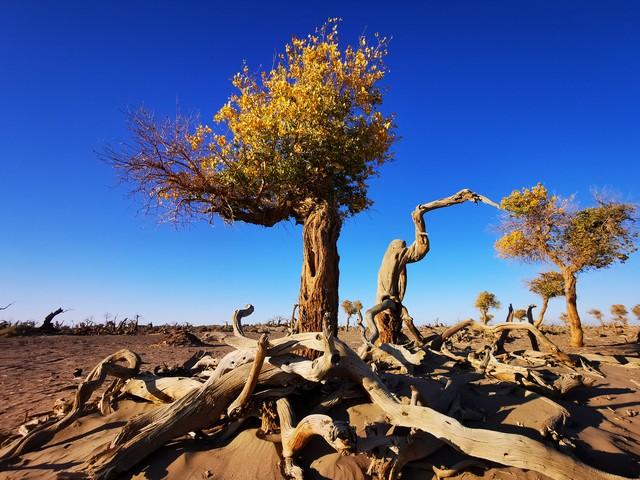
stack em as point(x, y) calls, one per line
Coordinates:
point(539, 226)
point(547, 285)
point(308, 130)
point(486, 300)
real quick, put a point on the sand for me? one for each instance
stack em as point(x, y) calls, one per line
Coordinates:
point(35, 371)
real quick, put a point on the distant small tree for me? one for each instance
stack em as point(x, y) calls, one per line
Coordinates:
point(357, 306)
point(548, 285)
point(351, 308)
point(564, 318)
point(620, 313)
point(520, 314)
point(484, 302)
point(599, 316)
point(636, 311)
point(347, 306)
point(539, 226)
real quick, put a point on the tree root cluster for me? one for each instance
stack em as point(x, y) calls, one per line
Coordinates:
point(293, 399)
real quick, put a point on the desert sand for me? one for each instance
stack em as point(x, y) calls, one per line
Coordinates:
point(603, 429)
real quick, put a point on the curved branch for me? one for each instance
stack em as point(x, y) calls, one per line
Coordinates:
point(336, 433)
point(109, 366)
point(370, 314)
point(502, 328)
point(248, 388)
point(238, 315)
point(503, 448)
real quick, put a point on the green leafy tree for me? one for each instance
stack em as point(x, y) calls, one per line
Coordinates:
point(484, 302)
point(539, 226)
point(547, 285)
point(297, 142)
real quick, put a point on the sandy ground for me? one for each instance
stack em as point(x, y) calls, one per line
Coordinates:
point(37, 370)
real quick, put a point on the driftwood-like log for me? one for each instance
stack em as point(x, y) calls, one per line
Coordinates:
point(250, 385)
point(109, 366)
point(618, 360)
point(525, 377)
point(198, 410)
point(393, 355)
point(160, 390)
point(500, 328)
point(503, 448)
point(207, 406)
point(295, 436)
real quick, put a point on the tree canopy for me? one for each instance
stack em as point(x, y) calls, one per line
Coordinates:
point(619, 312)
point(484, 302)
point(547, 285)
point(597, 314)
point(347, 306)
point(309, 129)
point(540, 226)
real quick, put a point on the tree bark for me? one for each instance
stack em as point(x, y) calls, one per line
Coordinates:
point(543, 310)
point(319, 280)
point(572, 309)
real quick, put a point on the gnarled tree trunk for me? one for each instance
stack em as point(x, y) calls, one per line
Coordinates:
point(572, 309)
point(319, 281)
point(390, 313)
point(543, 310)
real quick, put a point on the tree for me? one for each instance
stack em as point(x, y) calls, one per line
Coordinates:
point(520, 314)
point(598, 315)
point(485, 302)
point(636, 311)
point(357, 306)
point(564, 318)
point(547, 285)
point(347, 306)
point(298, 142)
point(620, 313)
point(539, 226)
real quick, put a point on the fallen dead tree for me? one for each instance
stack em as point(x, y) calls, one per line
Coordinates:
point(258, 380)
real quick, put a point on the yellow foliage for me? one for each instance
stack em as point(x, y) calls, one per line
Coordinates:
point(511, 244)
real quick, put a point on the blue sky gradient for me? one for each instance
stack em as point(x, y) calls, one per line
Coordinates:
point(491, 95)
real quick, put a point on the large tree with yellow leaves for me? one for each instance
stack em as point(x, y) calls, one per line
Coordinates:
point(539, 226)
point(297, 142)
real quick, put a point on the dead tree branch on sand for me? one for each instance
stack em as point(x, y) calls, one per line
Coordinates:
point(268, 370)
point(6, 306)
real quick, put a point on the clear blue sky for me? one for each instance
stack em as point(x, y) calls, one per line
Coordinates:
point(490, 95)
